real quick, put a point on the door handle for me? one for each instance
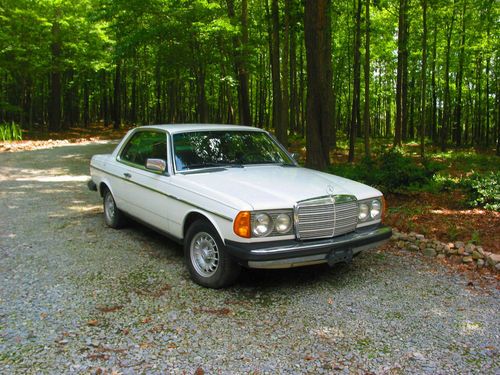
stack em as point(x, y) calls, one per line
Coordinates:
point(127, 175)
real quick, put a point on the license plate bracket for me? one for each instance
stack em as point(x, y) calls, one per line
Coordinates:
point(340, 256)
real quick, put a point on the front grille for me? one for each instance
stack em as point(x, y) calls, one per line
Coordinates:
point(326, 216)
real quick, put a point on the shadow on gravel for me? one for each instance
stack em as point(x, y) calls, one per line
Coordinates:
point(263, 280)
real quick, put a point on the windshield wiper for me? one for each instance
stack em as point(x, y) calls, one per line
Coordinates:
point(213, 165)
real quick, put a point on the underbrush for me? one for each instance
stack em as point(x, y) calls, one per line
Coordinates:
point(483, 190)
point(10, 132)
point(391, 171)
point(396, 171)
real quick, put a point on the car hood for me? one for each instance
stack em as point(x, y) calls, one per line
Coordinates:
point(270, 187)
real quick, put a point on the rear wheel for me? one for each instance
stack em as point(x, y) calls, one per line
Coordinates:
point(113, 217)
point(206, 257)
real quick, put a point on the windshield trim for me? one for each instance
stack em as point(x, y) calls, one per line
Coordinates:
point(224, 167)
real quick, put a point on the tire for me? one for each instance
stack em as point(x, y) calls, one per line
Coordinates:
point(113, 217)
point(206, 257)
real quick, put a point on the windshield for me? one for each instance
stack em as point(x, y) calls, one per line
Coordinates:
point(206, 149)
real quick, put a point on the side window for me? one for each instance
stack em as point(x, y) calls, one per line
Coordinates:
point(145, 145)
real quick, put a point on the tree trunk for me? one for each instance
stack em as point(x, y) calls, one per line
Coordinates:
point(317, 18)
point(400, 98)
point(458, 108)
point(240, 59)
point(423, 79)
point(117, 115)
point(433, 128)
point(285, 117)
point(366, 113)
point(357, 83)
point(447, 99)
point(55, 75)
point(279, 126)
point(294, 105)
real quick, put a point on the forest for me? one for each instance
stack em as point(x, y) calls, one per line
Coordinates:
point(325, 71)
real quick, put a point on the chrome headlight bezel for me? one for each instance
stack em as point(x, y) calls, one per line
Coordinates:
point(273, 226)
point(370, 210)
point(375, 209)
point(262, 224)
point(283, 223)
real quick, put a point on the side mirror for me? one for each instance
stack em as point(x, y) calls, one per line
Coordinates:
point(295, 156)
point(157, 165)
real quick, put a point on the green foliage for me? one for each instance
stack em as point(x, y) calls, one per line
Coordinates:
point(391, 171)
point(483, 190)
point(10, 132)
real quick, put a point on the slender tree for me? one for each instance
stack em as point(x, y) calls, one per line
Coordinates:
point(356, 89)
point(423, 79)
point(366, 112)
point(400, 92)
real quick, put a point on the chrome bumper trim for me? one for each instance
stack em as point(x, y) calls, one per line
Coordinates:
point(307, 260)
point(321, 244)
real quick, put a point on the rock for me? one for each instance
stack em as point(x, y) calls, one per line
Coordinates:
point(422, 245)
point(493, 259)
point(417, 356)
point(440, 247)
point(451, 245)
point(476, 255)
point(461, 250)
point(401, 244)
point(459, 244)
point(419, 237)
point(441, 256)
point(470, 248)
point(451, 251)
point(467, 259)
point(480, 263)
point(480, 250)
point(497, 267)
point(413, 247)
point(429, 252)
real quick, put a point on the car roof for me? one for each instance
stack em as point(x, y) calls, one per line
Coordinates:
point(182, 128)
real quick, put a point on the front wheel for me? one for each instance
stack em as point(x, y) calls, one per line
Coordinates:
point(113, 217)
point(206, 257)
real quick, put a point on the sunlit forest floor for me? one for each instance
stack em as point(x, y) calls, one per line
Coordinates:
point(431, 211)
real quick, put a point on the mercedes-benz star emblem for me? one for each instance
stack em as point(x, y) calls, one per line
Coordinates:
point(330, 190)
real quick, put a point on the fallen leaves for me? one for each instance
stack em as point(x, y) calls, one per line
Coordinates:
point(108, 309)
point(93, 323)
point(224, 311)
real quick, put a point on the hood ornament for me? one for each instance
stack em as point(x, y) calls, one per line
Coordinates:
point(330, 190)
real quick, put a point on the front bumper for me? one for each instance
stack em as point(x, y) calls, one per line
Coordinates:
point(292, 253)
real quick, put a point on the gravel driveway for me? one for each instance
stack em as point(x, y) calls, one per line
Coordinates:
point(77, 297)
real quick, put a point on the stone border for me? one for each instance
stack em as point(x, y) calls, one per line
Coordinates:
point(469, 253)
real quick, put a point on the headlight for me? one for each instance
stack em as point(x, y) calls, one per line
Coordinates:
point(262, 225)
point(364, 211)
point(376, 209)
point(282, 223)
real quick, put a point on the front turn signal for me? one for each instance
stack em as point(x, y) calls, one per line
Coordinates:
point(383, 208)
point(241, 224)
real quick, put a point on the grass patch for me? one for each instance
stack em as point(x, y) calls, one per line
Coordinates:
point(10, 132)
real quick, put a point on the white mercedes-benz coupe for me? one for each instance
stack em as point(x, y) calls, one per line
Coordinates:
point(233, 196)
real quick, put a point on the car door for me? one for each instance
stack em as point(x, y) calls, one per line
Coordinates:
point(142, 191)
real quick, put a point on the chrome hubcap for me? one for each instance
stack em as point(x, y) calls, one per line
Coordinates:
point(109, 207)
point(204, 254)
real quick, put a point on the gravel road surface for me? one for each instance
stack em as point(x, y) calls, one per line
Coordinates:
point(77, 297)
